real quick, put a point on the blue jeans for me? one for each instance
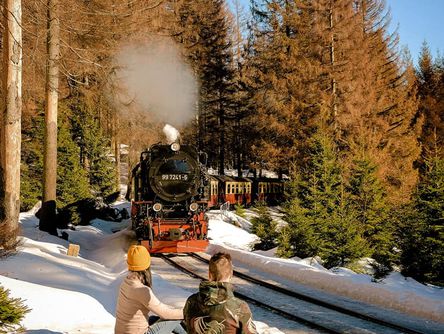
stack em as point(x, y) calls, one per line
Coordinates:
point(164, 326)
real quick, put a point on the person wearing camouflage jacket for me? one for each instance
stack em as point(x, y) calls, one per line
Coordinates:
point(215, 309)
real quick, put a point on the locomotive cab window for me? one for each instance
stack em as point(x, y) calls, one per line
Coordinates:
point(175, 167)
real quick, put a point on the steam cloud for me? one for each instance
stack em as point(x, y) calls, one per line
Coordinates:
point(155, 76)
point(171, 133)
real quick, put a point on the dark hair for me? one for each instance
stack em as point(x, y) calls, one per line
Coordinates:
point(145, 277)
point(221, 267)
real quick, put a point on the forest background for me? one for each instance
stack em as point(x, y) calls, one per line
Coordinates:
point(316, 90)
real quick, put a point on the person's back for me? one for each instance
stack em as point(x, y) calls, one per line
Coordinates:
point(214, 309)
point(136, 300)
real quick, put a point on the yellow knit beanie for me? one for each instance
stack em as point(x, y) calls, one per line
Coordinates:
point(138, 258)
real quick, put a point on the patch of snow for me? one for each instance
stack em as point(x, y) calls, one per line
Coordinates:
point(78, 294)
point(395, 291)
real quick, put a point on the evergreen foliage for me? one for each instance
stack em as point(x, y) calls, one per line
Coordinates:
point(280, 83)
point(264, 227)
point(202, 28)
point(333, 63)
point(72, 182)
point(344, 241)
point(422, 238)
point(240, 210)
point(320, 221)
point(12, 312)
point(430, 80)
point(80, 139)
point(94, 149)
point(32, 162)
point(367, 199)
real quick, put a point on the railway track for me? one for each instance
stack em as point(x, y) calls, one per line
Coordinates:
point(315, 301)
point(316, 314)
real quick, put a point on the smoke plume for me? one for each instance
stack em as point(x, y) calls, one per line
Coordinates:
point(171, 133)
point(155, 77)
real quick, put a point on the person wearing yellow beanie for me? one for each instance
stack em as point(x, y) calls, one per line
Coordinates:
point(136, 300)
point(138, 258)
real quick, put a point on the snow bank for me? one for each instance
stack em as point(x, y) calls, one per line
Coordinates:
point(78, 294)
point(395, 291)
point(59, 309)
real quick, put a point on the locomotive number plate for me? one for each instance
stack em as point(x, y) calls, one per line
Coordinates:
point(174, 177)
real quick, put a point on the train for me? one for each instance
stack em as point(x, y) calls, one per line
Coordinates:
point(171, 191)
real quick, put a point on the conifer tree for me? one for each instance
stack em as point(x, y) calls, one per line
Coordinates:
point(422, 240)
point(202, 28)
point(264, 227)
point(379, 106)
point(238, 134)
point(32, 162)
point(320, 220)
point(430, 77)
point(344, 238)
point(12, 312)
point(95, 148)
point(10, 123)
point(279, 72)
point(334, 62)
point(72, 181)
point(72, 184)
point(368, 201)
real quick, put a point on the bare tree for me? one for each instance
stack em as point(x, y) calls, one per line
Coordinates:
point(47, 217)
point(10, 126)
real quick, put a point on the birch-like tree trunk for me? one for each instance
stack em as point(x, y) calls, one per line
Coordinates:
point(10, 126)
point(47, 217)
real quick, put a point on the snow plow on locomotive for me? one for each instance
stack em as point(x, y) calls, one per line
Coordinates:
point(169, 198)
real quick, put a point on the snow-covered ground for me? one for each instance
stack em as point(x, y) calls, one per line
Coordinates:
point(78, 294)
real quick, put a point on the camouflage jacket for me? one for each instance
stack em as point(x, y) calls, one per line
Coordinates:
point(214, 309)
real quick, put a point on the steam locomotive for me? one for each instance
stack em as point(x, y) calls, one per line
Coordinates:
point(169, 198)
point(171, 192)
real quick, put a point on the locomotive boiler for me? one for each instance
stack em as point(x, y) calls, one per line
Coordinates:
point(169, 198)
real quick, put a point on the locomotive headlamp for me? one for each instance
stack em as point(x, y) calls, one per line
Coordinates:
point(157, 207)
point(194, 206)
point(175, 147)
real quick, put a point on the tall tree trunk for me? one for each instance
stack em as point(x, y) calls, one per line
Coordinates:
point(334, 107)
point(10, 126)
point(221, 142)
point(48, 212)
point(116, 147)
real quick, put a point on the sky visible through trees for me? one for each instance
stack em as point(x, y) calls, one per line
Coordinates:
point(418, 21)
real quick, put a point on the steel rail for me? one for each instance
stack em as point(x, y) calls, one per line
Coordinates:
point(275, 310)
point(317, 301)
